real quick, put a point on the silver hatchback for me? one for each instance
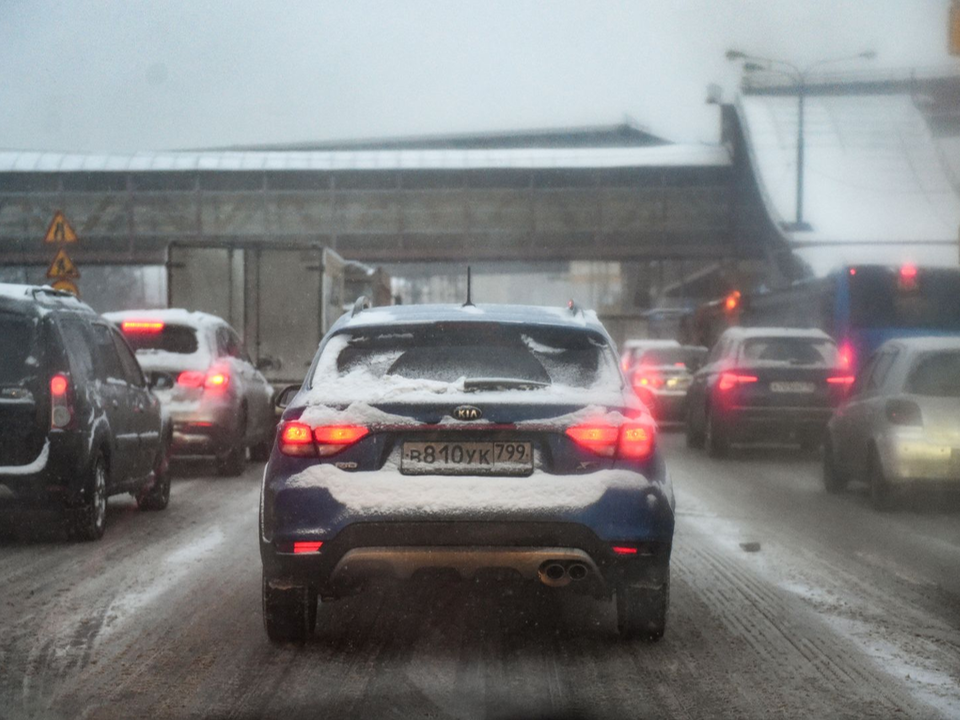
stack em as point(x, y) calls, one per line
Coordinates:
point(899, 428)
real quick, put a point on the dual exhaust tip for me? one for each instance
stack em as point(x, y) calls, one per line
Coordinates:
point(557, 574)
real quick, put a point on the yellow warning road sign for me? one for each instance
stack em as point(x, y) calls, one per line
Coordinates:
point(66, 285)
point(62, 267)
point(60, 230)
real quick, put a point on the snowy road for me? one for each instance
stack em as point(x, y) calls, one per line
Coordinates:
point(841, 612)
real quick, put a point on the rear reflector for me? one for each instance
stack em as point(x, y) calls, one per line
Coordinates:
point(141, 326)
point(624, 549)
point(306, 547)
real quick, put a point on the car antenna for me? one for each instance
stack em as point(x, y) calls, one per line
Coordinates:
point(469, 302)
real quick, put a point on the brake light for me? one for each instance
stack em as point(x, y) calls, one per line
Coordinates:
point(212, 380)
point(600, 439)
point(728, 381)
point(216, 380)
point(845, 356)
point(630, 441)
point(647, 380)
point(61, 413)
point(306, 547)
point(908, 272)
point(845, 380)
point(299, 439)
point(624, 550)
point(191, 378)
point(141, 326)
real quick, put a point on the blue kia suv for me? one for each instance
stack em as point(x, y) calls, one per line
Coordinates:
point(487, 441)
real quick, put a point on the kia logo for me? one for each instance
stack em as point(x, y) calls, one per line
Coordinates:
point(467, 412)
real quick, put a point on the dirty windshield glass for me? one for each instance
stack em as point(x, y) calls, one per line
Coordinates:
point(479, 360)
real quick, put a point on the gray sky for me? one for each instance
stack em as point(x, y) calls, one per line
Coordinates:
point(123, 76)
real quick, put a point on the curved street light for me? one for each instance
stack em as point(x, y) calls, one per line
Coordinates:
point(754, 63)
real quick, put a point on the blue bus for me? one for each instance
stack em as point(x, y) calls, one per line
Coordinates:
point(860, 306)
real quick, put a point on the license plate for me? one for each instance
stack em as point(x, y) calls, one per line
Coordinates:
point(680, 383)
point(792, 387)
point(467, 458)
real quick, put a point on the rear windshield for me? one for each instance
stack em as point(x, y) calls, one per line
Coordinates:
point(178, 339)
point(936, 375)
point(789, 351)
point(17, 361)
point(474, 351)
point(690, 358)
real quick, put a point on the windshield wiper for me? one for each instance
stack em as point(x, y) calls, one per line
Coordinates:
point(493, 383)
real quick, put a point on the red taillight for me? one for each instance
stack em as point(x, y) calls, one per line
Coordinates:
point(845, 356)
point(332, 439)
point(908, 271)
point(636, 441)
point(59, 385)
point(216, 380)
point(601, 439)
point(61, 412)
point(297, 439)
point(845, 380)
point(212, 380)
point(306, 547)
point(191, 378)
point(728, 381)
point(630, 441)
point(141, 326)
point(646, 379)
point(624, 550)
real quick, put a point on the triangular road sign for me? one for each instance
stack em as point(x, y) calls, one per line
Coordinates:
point(60, 230)
point(62, 267)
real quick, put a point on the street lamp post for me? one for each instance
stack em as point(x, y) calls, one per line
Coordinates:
point(753, 63)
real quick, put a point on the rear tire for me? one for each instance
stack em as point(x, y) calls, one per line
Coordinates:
point(715, 438)
point(833, 479)
point(261, 451)
point(642, 612)
point(289, 615)
point(881, 496)
point(156, 495)
point(232, 464)
point(90, 519)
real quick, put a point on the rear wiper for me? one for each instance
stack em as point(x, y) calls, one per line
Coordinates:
point(474, 384)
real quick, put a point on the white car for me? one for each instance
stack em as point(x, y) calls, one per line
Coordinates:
point(218, 402)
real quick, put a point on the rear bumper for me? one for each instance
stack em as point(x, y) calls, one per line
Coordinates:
point(770, 423)
point(910, 457)
point(54, 477)
point(203, 428)
point(373, 553)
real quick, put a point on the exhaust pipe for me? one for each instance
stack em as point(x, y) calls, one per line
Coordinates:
point(554, 575)
point(577, 571)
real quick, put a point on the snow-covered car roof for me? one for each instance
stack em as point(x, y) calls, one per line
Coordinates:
point(513, 314)
point(42, 296)
point(929, 343)
point(766, 332)
point(172, 316)
point(650, 343)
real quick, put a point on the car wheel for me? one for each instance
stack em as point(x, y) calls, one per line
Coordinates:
point(880, 493)
point(156, 494)
point(833, 479)
point(715, 438)
point(290, 614)
point(694, 437)
point(232, 463)
point(90, 519)
point(642, 612)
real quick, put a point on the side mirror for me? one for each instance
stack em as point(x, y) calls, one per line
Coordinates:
point(285, 396)
point(160, 381)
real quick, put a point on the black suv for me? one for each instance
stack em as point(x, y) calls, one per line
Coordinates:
point(77, 420)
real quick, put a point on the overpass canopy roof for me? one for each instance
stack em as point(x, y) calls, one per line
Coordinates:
point(227, 161)
point(879, 185)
